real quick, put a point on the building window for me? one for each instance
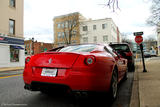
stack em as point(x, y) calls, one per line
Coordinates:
point(94, 27)
point(66, 24)
point(74, 32)
point(95, 39)
point(12, 3)
point(59, 25)
point(14, 55)
point(62, 25)
point(11, 26)
point(70, 24)
point(62, 34)
point(59, 34)
point(85, 28)
point(85, 40)
point(74, 23)
point(105, 38)
point(66, 34)
point(104, 26)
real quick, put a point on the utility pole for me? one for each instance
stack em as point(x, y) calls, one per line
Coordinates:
point(33, 46)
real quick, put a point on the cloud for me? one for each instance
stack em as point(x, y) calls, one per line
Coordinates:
point(39, 14)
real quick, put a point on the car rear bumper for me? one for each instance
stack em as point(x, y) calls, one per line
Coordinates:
point(74, 80)
point(37, 86)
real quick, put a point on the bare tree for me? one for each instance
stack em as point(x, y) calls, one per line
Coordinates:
point(113, 4)
point(70, 28)
point(126, 40)
point(154, 19)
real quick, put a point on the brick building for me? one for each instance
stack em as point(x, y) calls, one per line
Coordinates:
point(34, 47)
point(66, 29)
point(74, 28)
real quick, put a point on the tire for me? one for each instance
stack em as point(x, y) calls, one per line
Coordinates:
point(133, 67)
point(114, 86)
point(126, 75)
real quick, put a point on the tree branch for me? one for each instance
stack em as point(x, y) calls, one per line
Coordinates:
point(114, 4)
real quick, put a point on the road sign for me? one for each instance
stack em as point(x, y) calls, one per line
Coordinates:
point(138, 39)
point(138, 33)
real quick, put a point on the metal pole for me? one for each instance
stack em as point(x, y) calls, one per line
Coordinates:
point(144, 67)
point(32, 46)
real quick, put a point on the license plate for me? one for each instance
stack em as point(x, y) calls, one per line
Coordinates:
point(49, 72)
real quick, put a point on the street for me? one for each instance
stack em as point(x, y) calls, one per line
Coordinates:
point(12, 94)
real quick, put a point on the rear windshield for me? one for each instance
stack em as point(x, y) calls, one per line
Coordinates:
point(121, 47)
point(78, 48)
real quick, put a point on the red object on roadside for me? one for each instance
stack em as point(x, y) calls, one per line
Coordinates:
point(1, 38)
point(138, 39)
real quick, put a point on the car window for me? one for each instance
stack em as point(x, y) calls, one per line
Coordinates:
point(121, 47)
point(78, 48)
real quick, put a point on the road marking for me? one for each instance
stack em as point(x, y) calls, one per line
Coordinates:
point(2, 70)
point(11, 76)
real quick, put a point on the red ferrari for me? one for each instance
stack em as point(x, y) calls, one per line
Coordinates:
point(82, 68)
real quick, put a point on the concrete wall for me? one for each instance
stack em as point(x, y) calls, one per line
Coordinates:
point(16, 14)
point(5, 57)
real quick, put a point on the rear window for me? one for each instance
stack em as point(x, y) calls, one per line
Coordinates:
point(120, 47)
point(78, 48)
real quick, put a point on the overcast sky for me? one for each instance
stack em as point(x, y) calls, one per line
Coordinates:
point(39, 14)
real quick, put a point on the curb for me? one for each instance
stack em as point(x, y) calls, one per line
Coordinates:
point(11, 69)
point(135, 101)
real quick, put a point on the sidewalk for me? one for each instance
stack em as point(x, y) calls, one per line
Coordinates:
point(146, 86)
point(11, 68)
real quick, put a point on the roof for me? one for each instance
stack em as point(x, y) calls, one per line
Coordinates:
point(70, 14)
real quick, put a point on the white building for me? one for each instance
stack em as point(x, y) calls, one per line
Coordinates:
point(99, 31)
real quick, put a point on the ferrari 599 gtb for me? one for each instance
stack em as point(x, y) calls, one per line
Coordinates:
point(82, 68)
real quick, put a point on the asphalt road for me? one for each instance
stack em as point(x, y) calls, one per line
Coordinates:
point(12, 94)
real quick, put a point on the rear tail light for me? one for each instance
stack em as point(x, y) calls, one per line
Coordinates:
point(27, 60)
point(90, 60)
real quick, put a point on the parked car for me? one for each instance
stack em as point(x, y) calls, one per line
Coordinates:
point(125, 51)
point(153, 52)
point(78, 68)
point(147, 54)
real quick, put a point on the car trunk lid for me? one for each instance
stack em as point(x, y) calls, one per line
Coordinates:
point(54, 59)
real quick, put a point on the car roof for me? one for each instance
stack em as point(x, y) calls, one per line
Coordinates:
point(118, 44)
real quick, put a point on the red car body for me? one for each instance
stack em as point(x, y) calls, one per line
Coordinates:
point(79, 71)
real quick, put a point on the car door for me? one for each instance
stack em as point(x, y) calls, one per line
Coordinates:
point(119, 60)
point(122, 62)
